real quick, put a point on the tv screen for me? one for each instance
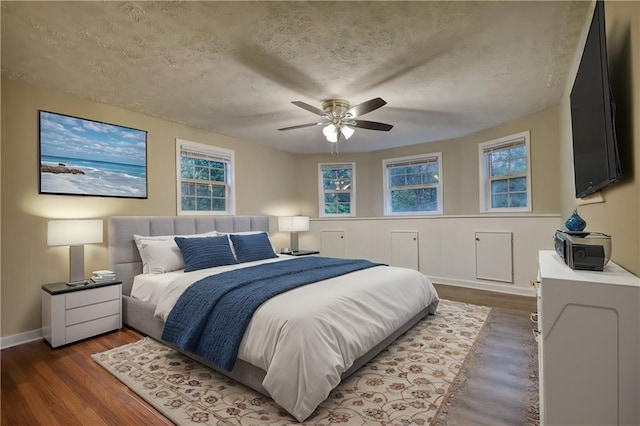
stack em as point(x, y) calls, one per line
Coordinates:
point(595, 151)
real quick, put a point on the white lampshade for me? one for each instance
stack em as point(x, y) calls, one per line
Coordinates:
point(293, 223)
point(331, 133)
point(74, 232)
point(347, 131)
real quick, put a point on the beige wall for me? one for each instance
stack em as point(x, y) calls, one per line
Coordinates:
point(619, 215)
point(460, 169)
point(263, 178)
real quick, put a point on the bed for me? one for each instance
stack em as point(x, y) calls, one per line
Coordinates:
point(368, 316)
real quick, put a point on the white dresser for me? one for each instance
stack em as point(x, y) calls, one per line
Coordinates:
point(588, 344)
point(74, 313)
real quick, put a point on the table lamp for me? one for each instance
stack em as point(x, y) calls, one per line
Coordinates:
point(74, 233)
point(293, 224)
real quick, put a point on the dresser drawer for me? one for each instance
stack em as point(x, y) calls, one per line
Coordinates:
point(89, 297)
point(91, 312)
point(92, 328)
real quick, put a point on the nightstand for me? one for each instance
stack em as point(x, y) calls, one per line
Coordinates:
point(75, 313)
point(301, 253)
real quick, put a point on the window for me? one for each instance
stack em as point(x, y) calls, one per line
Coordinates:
point(505, 174)
point(413, 185)
point(205, 179)
point(337, 189)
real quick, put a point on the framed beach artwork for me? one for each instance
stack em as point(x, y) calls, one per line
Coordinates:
point(86, 157)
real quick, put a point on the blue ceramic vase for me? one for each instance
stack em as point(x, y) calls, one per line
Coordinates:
point(575, 223)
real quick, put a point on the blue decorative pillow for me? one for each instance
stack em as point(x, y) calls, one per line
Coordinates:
point(205, 252)
point(252, 247)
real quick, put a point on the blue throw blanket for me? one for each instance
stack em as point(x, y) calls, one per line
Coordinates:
point(211, 316)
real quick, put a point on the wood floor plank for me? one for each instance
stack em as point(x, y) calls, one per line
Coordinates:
point(75, 397)
point(20, 411)
point(46, 386)
point(45, 405)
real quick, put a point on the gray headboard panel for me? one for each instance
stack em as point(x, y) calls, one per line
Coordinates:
point(124, 258)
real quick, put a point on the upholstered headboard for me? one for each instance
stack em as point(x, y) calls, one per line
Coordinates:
point(124, 258)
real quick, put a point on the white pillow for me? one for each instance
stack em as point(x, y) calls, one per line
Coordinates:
point(161, 256)
point(169, 256)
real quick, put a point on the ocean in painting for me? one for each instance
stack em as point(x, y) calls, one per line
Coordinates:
point(99, 178)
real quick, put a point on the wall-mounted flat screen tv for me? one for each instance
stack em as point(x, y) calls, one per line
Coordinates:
point(595, 150)
point(86, 157)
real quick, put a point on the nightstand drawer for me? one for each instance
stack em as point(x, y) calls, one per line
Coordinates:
point(89, 297)
point(91, 312)
point(92, 328)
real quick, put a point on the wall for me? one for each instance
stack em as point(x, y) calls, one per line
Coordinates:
point(460, 169)
point(619, 214)
point(263, 186)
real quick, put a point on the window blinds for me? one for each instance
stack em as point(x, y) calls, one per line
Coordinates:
point(191, 152)
point(413, 162)
point(504, 146)
point(345, 166)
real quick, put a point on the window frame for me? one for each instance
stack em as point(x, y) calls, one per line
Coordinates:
point(352, 191)
point(485, 175)
point(439, 186)
point(227, 155)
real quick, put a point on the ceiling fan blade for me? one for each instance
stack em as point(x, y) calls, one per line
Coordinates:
point(310, 108)
point(300, 126)
point(365, 107)
point(372, 125)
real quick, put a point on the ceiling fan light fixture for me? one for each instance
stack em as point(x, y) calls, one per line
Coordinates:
point(342, 119)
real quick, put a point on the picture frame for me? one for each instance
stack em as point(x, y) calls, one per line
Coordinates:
point(79, 156)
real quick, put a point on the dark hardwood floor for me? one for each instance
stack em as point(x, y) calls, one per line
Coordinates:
point(499, 382)
point(64, 386)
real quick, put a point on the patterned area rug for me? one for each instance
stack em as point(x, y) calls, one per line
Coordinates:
point(405, 384)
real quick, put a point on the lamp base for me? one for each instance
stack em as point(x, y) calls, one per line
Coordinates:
point(77, 283)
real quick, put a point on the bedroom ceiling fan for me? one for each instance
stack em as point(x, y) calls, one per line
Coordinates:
point(341, 118)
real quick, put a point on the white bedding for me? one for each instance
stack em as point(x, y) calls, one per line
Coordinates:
point(307, 337)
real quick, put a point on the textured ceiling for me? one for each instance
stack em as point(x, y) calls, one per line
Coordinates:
point(446, 69)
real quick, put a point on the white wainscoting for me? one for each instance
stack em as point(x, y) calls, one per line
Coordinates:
point(446, 244)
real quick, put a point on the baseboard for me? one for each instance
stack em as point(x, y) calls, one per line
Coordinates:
point(479, 285)
point(20, 338)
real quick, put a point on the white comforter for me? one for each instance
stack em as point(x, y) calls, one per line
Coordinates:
point(307, 337)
